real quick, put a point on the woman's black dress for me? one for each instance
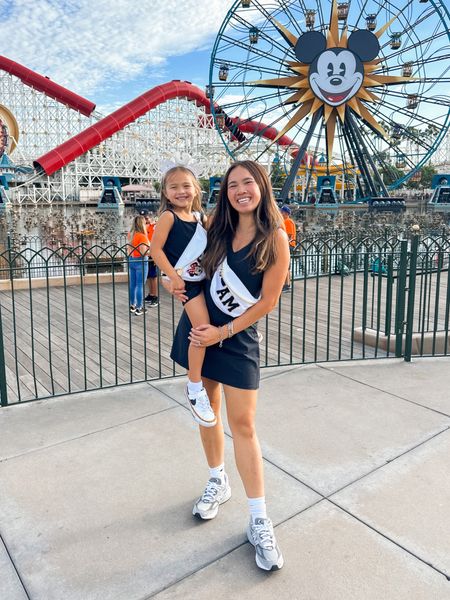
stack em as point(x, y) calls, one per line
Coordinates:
point(237, 362)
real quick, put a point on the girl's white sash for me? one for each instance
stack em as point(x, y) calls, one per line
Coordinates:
point(188, 265)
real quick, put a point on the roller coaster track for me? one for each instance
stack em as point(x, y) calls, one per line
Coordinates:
point(60, 156)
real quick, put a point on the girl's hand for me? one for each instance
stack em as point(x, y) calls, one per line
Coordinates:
point(177, 284)
point(205, 335)
point(178, 294)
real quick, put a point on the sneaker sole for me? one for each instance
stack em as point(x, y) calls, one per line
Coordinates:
point(265, 567)
point(198, 419)
point(210, 516)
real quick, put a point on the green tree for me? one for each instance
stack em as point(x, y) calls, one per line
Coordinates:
point(204, 184)
point(391, 174)
point(427, 175)
point(277, 176)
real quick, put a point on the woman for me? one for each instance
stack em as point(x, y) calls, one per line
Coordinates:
point(246, 261)
point(138, 264)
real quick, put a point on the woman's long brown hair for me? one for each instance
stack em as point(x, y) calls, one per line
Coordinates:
point(225, 218)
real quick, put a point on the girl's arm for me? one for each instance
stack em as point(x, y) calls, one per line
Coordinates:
point(162, 230)
point(273, 281)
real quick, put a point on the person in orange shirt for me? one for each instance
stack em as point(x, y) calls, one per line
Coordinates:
point(290, 229)
point(139, 248)
point(151, 299)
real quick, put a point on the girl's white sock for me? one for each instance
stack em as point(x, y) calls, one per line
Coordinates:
point(194, 387)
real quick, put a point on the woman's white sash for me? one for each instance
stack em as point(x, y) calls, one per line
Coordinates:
point(228, 292)
point(188, 265)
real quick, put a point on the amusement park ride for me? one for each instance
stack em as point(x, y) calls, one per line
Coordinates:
point(348, 101)
point(363, 84)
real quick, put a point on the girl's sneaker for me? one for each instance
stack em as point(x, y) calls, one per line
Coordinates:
point(132, 308)
point(217, 491)
point(140, 311)
point(260, 534)
point(201, 408)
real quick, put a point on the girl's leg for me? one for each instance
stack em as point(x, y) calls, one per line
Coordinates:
point(198, 315)
point(241, 408)
point(198, 398)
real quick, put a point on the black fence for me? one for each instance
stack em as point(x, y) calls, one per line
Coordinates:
point(65, 324)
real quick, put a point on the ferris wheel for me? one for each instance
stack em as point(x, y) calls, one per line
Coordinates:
point(359, 86)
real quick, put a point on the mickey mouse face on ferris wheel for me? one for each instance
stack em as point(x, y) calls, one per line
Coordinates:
point(336, 74)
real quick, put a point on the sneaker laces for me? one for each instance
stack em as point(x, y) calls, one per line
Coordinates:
point(211, 491)
point(265, 533)
point(203, 401)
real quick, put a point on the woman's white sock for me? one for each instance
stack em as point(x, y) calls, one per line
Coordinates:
point(217, 472)
point(257, 507)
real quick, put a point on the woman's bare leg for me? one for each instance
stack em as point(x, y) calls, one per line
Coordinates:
point(213, 437)
point(217, 490)
point(241, 408)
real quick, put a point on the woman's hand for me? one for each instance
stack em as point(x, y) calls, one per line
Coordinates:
point(178, 294)
point(205, 335)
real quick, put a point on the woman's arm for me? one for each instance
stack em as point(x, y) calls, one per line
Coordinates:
point(273, 281)
point(162, 230)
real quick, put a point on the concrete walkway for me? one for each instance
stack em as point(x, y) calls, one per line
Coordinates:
point(96, 491)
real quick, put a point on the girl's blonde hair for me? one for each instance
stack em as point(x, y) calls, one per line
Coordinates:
point(165, 202)
point(225, 218)
point(138, 226)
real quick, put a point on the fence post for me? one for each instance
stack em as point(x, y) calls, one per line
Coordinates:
point(411, 297)
point(389, 287)
point(3, 388)
point(400, 301)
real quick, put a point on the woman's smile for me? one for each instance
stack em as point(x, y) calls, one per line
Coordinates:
point(243, 191)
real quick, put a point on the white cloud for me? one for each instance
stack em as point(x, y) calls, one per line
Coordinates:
point(91, 44)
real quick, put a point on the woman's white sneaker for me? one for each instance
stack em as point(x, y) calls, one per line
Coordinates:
point(260, 534)
point(201, 408)
point(217, 492)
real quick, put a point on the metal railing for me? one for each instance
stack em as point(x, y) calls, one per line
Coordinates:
point(65, 324)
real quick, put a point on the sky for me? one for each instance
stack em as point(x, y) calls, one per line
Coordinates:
point(111, 51)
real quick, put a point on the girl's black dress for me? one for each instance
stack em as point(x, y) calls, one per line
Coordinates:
point(237, 362)
point(179, 237)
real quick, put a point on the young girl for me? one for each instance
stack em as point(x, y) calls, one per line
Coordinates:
point(138, 264)
point(178, 241)
point(245, 262)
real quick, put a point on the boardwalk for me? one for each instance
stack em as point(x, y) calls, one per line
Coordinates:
point(77, 338)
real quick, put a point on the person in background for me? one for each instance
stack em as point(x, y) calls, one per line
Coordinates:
point(289, 227)
point(139, 248)
point(151, 299)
